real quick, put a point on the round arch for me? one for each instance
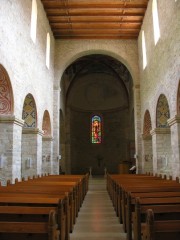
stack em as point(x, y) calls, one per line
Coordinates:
point(29, 114)
point(6, 93)
point(147, 124)
point(123, 52)
point(162, 112)
point(46, 126)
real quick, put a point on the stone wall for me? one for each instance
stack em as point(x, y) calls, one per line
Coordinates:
point(163, 60)
point(162, 73)
point(125, 51)
point(25, 62)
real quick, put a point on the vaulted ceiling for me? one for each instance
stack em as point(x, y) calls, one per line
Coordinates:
point(95, 19)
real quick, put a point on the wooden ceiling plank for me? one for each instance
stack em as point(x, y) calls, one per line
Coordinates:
point(95, 19)
point(96, 12)
point(81, 32)
point(97, 37)
point(94, 4)
point(79, 19)
point(95, 25)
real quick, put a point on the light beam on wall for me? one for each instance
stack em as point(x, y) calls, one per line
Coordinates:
point(48, 43)
point(34, 20)
point(155, 21)
point(144, 50)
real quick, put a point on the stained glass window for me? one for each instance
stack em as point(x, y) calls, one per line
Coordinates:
point(96, 129)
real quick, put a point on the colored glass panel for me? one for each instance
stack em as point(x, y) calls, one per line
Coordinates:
point(96, 129)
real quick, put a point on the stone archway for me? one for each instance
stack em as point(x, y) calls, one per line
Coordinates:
point(97, 84)
point(6, 94)
point(125, 52)
point(30, 162)
point(46, 144)
point(29, 114)
point(147, 144)
point(10, 127)
point(162, 149)
point(174, 124)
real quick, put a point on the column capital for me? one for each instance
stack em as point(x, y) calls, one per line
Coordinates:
point(146, 137)
point(11, 119)
point(174, 120)
point(47, 138)
point(37, 131)
point(160, 131)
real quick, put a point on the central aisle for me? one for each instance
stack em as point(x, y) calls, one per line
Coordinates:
point(97, 219)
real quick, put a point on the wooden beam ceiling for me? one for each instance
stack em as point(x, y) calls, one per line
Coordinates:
point(95, 19)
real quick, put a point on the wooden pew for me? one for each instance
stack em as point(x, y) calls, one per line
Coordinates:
point(130, 208)
point(84, 179)
point(57, 187)
point(144, 185)
point(138, 187)
point(40, 202)
point(20, 230)
point(64, 186)
point(45, 192)
point(48, 188)
point(118, 181)
point(160, 230)
point(166, 208)
point(137, 184)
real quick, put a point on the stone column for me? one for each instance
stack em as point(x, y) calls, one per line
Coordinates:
point(10, 148)
point(47, 154)
point(162, 152)
point(147, 153)
point(137, 122)
point(174, 124)
point(31, 152)
point(56, 108)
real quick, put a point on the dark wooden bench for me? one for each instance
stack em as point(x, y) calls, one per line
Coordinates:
point(121, 187)
point(119, 181)
point(20, 230)
point(56, 186)
point(51, 187)
point(40, 202)
point(130, 208)
point(45, 192)
point(148, 187)
point(163, 211)
point(160, 230)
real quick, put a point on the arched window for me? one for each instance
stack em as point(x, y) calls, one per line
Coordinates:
point(144, 50)
point(155, 21)
point(96, 129)
point(162, 112)
point(147, 124)
point(48, 42)
point(29, 114)
point(34, 20)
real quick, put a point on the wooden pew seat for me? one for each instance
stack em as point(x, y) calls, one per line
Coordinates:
point(160, 230)
point(18, 230)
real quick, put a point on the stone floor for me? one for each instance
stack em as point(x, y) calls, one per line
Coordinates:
point(97, 219)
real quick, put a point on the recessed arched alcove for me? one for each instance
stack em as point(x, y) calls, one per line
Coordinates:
point(29, 137)
point(147, 143)
point(46, 126)
point(6, 93)
point(29, 114)
point(96, 85)
point(163, 136)
point(46, 144)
